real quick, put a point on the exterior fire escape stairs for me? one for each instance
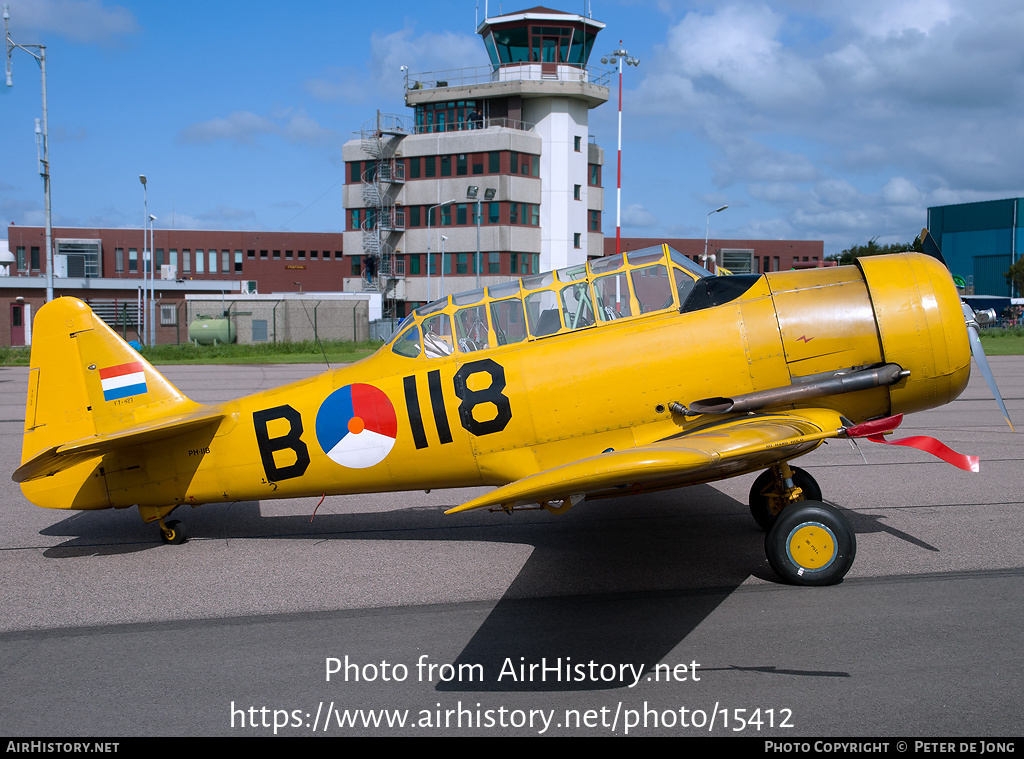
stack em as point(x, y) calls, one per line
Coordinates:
point(384, 222)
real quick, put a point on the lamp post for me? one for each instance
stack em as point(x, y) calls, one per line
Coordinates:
point(42, 135)
point(145, 258)
point(447, 202)
point(473, 192)
point(619, 56)
point(443, 239)
point(707, 229)
point(152, 283)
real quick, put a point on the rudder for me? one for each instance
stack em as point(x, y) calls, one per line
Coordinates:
point(85, 381)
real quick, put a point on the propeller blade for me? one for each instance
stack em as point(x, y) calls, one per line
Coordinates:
point(931, 248)
point(982, 361)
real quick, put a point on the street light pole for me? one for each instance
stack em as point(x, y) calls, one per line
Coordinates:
point(620, 56)
point(145, 258)
point(152, 283)
point(447, 202)
point(45, 165)
point(707, 229)
point(443, 239)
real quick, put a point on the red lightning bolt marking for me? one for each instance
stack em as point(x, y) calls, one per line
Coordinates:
point(805, 338)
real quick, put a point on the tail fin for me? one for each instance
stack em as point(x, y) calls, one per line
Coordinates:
point(89, 390)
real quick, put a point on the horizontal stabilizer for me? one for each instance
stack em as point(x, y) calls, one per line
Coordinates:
point(60, 457)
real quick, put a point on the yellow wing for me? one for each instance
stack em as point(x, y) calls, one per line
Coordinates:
point(712, 452)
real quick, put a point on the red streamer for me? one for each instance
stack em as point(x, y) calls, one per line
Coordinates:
point(935, 448)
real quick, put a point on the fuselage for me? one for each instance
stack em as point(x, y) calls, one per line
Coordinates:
point(488, 387)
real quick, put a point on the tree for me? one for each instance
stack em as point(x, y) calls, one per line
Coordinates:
point(872, 248)
point(1016, 275)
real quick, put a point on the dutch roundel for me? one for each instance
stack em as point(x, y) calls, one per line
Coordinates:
point(356, 426)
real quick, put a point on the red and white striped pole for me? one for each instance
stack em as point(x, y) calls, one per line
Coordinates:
point(619, 56)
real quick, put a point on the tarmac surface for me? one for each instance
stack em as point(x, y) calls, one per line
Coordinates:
point(644, 615)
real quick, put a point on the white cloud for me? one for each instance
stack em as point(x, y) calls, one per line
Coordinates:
point(80, 20)
point(636, 215)
point(383, 77)
point(246, 127)
point(901, 191)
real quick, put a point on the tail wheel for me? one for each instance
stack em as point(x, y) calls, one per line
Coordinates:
point(172, 533)
point(811, 544)
point(768, 494)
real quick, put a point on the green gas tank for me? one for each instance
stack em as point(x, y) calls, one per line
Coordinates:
point(211, 330)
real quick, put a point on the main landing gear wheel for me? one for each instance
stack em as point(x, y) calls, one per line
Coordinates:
point(768, 494)
point(172, 532)
point(811, 544)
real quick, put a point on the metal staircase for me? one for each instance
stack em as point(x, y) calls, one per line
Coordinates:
point(384, 224)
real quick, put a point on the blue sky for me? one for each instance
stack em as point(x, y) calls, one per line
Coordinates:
point(839, 121)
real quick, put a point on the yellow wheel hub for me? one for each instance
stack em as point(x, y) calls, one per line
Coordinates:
point(812, 546)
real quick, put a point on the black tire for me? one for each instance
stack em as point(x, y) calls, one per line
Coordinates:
point(811, 544)
point(758, 501)
point(174, 535)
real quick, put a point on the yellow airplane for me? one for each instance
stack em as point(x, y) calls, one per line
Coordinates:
point(628, 374)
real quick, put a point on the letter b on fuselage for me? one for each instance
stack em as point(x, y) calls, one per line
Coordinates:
point(290, 441)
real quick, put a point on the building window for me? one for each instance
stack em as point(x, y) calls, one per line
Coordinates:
point(168, 315)
point(577, 192)
point(133, 260)
point(186, 260)
point(494, 162)
point(34, 261)
point(494, 263)
point(200, 261)
point(460, 165)
point(21, 258)
point(513, 214)
point(414, 168)
point(355, 266)
point(493, 213)
point(595, 175)
point(430, 166)
point(576, 239)
point(578, 143)
point(159, 259)
point(174, 259)
point(460, 214)
point(314, 254)
point(446, 216)
point(414, 216)
point(478, 165)
point(250, 254)
point(238, 260)
point(414, 264)
point(354, 173)
point(263, 255)
point(118, 260)
point(595, 221)
point(534, 215)
point(446, 166)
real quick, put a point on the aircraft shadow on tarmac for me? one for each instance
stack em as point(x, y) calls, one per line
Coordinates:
point(613, 583)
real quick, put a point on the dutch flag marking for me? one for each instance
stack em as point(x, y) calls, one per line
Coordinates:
point(123, 381)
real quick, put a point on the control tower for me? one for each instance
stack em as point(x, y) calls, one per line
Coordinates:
point(510, 138)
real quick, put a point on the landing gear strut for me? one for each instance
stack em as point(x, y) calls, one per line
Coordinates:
point(777, 488)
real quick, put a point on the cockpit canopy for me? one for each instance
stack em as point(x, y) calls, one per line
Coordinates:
point(597, 292)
